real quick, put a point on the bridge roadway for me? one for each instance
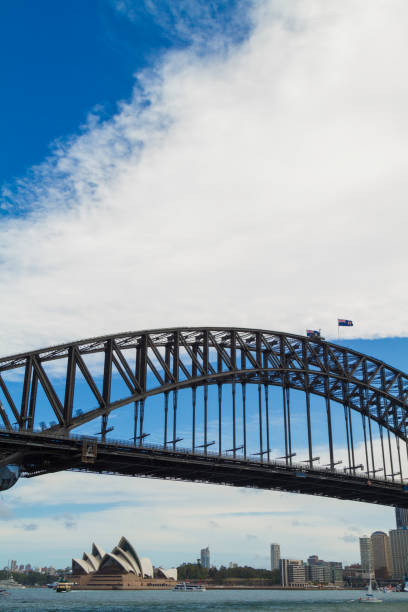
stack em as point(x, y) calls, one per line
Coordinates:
point(46, 453)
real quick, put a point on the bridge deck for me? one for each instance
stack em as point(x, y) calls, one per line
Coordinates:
point(46, 453)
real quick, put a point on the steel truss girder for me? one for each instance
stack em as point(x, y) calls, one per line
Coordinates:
point(203, 356)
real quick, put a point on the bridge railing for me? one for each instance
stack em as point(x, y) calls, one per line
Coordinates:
point(299, 468)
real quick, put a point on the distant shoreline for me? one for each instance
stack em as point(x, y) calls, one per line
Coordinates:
point(277, 588)
point(225, 588)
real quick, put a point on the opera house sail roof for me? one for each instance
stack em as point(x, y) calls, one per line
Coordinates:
point(122, 560)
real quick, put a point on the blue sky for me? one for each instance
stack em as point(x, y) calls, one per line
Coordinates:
point(62, 62)
point(198, 164)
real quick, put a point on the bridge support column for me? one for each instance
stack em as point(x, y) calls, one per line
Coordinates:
point(260, 421)
point(194, 399)
point(243, 388)
point(219, 419)
point(268, 449)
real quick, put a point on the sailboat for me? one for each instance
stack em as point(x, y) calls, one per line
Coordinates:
point(369, 597)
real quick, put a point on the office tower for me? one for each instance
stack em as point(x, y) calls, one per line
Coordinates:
point(292, 572)
point(399, 553)
point(366, 555)
point(312, 560)
point(13, 565)
point(205, 557)
point(275, 556)
point(380, 545)
point(401, 517)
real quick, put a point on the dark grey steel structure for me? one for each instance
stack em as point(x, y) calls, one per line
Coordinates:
point(167, 362)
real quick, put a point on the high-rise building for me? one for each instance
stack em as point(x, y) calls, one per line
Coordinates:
point(293, 572)
point(275, 556)
point(205, 557)
point(366, 555)
point(13, 565)
point(401, 517)
point(380, 545)
point(399, 552)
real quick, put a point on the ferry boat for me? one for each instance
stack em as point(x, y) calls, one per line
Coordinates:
point(63, 587)
point(186, 586)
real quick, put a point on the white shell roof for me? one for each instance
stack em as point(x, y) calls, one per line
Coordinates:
point(123, 555)
point(169, 574)
point(85, 565)
point(109, 557)
point(128, 557)
point(97, 551)
point(92, 560)
point(147, 568)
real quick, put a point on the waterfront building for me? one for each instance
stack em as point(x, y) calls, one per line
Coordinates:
point(324, 572)
point(399, 553)
point(352, 574)
point(275, 556)
point(336, 575)
point(120, 569)
point(293, 573)
point(232, 565)
point(380, 544)
point(335, 564)
point(205, 557)
point(401, 517)
point(366, 555)
point(319, 573)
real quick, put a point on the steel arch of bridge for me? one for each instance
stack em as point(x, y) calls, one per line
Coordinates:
point(166, 361)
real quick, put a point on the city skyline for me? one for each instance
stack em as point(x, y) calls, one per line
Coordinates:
point(300, 534)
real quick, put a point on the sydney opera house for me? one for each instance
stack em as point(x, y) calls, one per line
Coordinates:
point(120, 569)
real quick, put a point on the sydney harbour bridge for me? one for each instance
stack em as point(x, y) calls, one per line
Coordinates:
point(242, 407)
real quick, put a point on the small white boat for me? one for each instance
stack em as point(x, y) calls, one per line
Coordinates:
point(369, 597)
point(186, 586)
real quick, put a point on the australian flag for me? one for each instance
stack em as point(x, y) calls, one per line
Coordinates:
point(312, 332)
point(344, 323)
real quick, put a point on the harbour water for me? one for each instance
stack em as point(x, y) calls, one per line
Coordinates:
point(47, 600)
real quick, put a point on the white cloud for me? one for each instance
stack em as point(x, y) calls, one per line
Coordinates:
point(269, 191)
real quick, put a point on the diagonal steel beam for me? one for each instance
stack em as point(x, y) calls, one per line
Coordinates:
point(49, 391)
